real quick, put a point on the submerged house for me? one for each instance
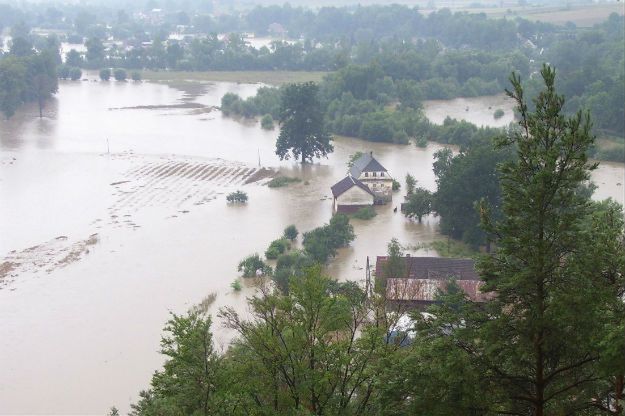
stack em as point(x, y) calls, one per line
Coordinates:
point(367, 183)
point(350, 195)
point(424, 277)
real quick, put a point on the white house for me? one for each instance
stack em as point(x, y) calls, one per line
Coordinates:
point(350, 194)
point(375, 176)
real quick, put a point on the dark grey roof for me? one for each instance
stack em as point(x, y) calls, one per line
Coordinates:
point(434, 268)
point(365, 163)
point(346, 183)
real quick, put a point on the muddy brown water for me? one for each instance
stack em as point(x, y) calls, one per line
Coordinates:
point(110, 219)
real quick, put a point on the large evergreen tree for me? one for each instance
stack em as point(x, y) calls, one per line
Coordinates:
point(539, 341)
point(302, 130)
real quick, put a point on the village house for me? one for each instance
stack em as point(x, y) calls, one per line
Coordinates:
point(367, 183)
point(424, 277)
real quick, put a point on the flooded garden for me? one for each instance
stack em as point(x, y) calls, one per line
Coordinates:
point(114, 214)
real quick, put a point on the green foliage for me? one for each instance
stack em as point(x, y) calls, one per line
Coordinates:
point(396, 185)
point(120, 74)
point(266, 122)
point(365, 213)
point(322, 242)
point(290, 232)
point(453, 249)
point(281, 181)
point(105, 74)
point(289, 266)
point(395, 266)
point(188, 381)
point(411, 182)
point(236, 286)
point(253, 266)
point(238, 197)
point(419, 204)
point(135, 76)
point(498, 113)
point(302, 131)
point(276, 248)
point(75, 74)
point(353, 158)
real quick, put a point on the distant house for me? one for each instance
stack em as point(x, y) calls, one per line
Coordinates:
point(350, 194)
point(424, 277)
point(370, 172)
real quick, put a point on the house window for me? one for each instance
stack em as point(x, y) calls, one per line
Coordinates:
point(375, 174)
point(366, 174)
point(382, 174)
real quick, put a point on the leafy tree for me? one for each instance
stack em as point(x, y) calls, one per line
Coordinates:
point(395, 266)
point(411, 182)
point(75, 74)
point(74, 58)
point(188, 381)
point(302, 130)
point(322, 242)
point(266, 122)
point(290, 232)
point(541, 338)
point(45, 80)
point(95, 52)
point(276, 248)
point(419, 204)
point(135, 76)
point(12, 84)
point(105, 74)
point(252, 266)
point(291, 266)
point(120, 74)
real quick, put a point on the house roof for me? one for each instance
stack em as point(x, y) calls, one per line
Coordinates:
point(366, 163)
point(425, 276)
point(434, 268)
point(347, 183)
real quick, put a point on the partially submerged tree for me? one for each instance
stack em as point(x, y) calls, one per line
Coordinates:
point(419, 204)
point(302, 131)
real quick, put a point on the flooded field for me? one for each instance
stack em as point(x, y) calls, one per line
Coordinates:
point(113, 214)
point(477, 110)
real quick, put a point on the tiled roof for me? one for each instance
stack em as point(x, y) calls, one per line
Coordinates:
point(425, 290)
point(346, 183)
point(365, 163)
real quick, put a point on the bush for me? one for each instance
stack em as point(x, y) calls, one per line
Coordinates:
point(236, 285)
point(421, 142)
point(322, 242)
point(498, 113)
point(120, 74)
point(276, 248)
point(253, 266)
point(75, 74)
point(63, 71)
point(266, 122)
point(396, 185)
point(135, 76)
point(289, 266)
point(237, 197)
point(290, 232)
point(105, 74)
point(280, 181)
point(365, 213)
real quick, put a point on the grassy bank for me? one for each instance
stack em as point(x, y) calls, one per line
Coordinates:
point(453, 249)
point(266, 77)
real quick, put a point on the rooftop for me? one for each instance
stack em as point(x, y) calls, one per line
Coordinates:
point(346, 183)
point(366, 163)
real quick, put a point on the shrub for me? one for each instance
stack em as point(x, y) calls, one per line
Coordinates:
point(135, 76)
point(289, 266)
point(290, 232)
point(253, 266)
point(365, 213)
point(498, 113)
point(120, 74)
point(105, 74)
point(63, 71)
point(236, 285)
point(421, 142)
point(266, 122)
point(237, 197)
point(322, 242)
point(75, 74)
point(280, 181)
point(396, 185)
point(276, 248)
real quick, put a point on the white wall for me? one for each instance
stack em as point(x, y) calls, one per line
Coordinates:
point(355, 196)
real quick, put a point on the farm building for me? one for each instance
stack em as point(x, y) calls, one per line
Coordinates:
point(423, 277)
point(350, 194)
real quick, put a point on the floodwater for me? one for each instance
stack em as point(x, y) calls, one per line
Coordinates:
point(478, 110)
point(113, 214)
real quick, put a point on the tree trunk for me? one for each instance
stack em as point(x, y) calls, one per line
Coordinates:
point(618, 394)
point(40, 107)
point(303, 158)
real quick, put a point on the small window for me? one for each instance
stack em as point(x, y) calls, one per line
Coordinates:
point(382, 174)
point(375, 174)
point(366, 174)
